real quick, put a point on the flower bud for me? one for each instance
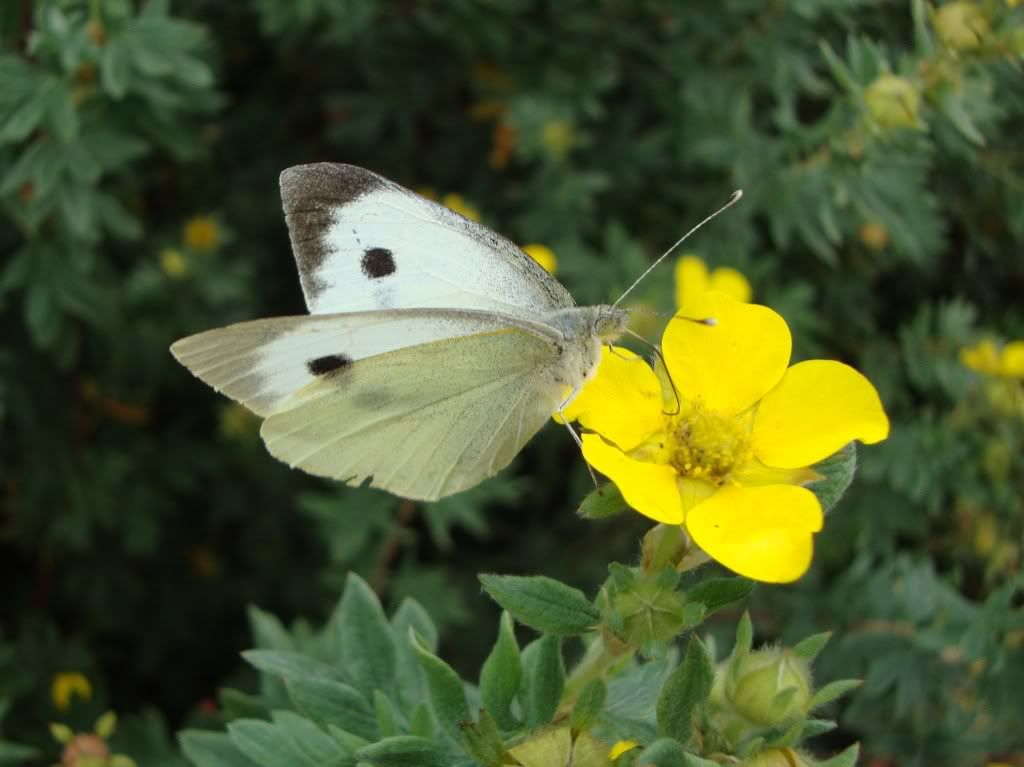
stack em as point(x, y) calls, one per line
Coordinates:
point(961, 26)
point(649, 610)
point(776, 757)
point(769, 687)
point(893, 102)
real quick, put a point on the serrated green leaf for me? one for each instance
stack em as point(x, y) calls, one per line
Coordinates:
point(290, 665)
point(405, 751)
point(316, 744)
point(266, 744)
point(331, 702)
point(385, 712)
point(716, 593)
point(808, 648)
point(501, 674)
point(542, 603)
point(836, 475)
point(410, 684)
point(588, 705)
point(366, 645)
point(605, 501)
point(834, 690)
point(236, 704)
point(686, 688)
point(212, 749)
point(543, 680)
point(447, 695)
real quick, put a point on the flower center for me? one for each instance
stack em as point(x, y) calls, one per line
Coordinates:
point(706, 445)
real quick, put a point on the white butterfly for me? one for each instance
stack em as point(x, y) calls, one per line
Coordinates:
point(433, 351)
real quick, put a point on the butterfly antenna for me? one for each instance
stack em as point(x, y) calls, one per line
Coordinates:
point(733, 199)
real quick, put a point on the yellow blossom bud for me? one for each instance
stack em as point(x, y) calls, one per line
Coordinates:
point(201, 233)
point(173, 263)
point(874, 235)
point(961, 26)
point(893, 102)
point(543, 255)
point(769, 687)
point(69, 685)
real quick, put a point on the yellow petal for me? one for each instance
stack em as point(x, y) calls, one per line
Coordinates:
point(691, 279)
point(818, 407)
point(731, 282)
point(650, 488)
point(693, 491)
point(731, 364)
point(622, 747)
point(763, 533)
point(983, 357)
point(1013, 359)
point(754, 473)
point(622, 401)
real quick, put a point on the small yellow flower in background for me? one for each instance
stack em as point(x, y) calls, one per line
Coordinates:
point(236, 421)
point(874, 235)
point(455, 202)
point(173, 263)
point(893, 102)
point(693, 279)
point(90, 749)
point(961, 26)
point(543, 255)
point(201, 233)
point(729, 459)
point(558, 137)
point(986, 358)
point(68, 685)
point(622, 747)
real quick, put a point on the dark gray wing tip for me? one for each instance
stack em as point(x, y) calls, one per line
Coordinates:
point(322, 184)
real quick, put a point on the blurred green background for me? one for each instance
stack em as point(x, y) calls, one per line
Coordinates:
point(880, 148)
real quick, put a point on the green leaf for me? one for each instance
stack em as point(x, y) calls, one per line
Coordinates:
point(331, 702)
point(290, 665)
point(808, 649)
point(834, 690)
point(543, 603)
point(847, 758)
point(15, 753)
point(716, 593)
point(543, 680)
point(501, 674)
point(366, 644)
point(241, 705)
point(410, 685)
point(266, 744)
point(211, 749)
point(588, 705)
point(405, 751)
point(837, 473)
point(744, 635)
point(686, 688)
point(603, 502)
point(664, 752)
point(317, 745)
point(385, 711)
point(446, 691)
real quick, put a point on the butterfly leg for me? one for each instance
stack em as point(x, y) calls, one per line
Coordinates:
point(576, 437)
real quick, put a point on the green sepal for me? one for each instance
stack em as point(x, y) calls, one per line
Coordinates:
point(834, 690)
point(664, 752)
point(605, 501)
point(744, 635)
point(405, 751)
point(846, 758)
point(543, 603)
point(685, 689)
point(808, 648)
point(483, 741)
point(716, 593)
point(836, 475)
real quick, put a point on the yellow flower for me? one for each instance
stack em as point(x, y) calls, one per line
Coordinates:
point(621, 747)
point(728, 459)
point(67, 685)
point(961, 26)
point(459, 205)
point(984, 357)
point(202, 233)
point(543, 255)
point(173, 263)
point(558, 137)
point(893, 102)
point(693, 279)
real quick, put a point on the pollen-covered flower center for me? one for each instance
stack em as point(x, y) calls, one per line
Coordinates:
point(706, 445)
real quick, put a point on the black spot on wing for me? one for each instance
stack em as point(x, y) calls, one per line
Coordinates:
point(328, 364)
point(311, 195)
point(377, 263)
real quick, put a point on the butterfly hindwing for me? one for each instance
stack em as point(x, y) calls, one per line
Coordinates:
point(364, 243)
point(424, 421)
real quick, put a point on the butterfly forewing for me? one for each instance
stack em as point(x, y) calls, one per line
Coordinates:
point(363, 243)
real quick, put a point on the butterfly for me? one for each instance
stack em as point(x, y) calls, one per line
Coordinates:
point(434, 348)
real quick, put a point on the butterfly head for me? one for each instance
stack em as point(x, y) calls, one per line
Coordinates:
point(610, 322)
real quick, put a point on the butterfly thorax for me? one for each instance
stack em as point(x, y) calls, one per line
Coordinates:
point(584, 330)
